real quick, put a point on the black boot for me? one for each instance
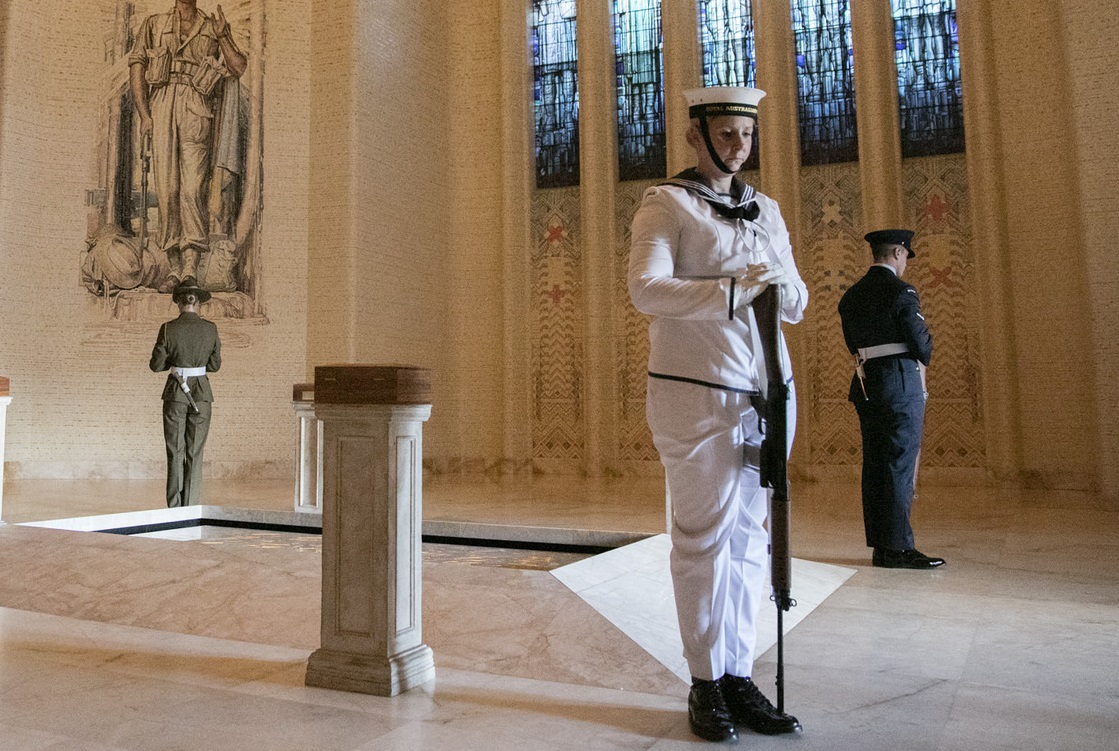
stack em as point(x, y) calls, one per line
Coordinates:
point(748, 706)
point(707, 712)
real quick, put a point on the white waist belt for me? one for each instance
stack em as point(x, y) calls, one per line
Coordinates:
point(189, 372)
point(882, 350)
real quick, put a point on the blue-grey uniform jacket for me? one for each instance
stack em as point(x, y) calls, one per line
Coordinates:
point(882, 309)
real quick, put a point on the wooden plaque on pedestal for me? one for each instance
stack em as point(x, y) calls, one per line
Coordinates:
point(4, 384)
point(372, 384)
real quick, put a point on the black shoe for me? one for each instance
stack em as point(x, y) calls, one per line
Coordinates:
point(708, 714)
point(748, 706)
point(886, 558)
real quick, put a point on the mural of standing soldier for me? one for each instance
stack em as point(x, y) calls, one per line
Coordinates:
point(176, 68)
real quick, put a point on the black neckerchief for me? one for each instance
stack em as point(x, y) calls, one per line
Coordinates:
point(740, 205)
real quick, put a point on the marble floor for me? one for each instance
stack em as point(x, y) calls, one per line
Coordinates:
point(151, 644)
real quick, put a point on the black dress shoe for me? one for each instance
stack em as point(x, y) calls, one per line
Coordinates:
point(708, 713)
point(886, 558)
point(748, 706)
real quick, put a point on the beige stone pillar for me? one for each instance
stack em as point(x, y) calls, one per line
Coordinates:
point(876, 100)
point(372, 515)
point(5, 400)
point(518, 169)
point(683, 70)
point(308, 449)
point(779, 154)
point(991, 242)
point(598, 170)
point(778, 128)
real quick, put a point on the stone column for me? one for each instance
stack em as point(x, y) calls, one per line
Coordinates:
point(876, 95)
point(598, 183)
point(779, 153)
point(308, 449)
point(683, 69)
point(372, 513)
point(778, 124)
point(5, 400)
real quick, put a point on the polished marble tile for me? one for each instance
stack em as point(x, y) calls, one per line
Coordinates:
point(1031, 716)
point(110, 643)
point(632, 588)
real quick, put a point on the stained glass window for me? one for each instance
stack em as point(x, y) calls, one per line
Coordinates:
point(825, 81)
point(640, 70)
point(929, 90)
point(726, 34)
point(555, 93)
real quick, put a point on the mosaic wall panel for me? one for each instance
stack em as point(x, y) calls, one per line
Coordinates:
point(557, 330)
point(936, 195)
point(635, 442)
point(831, 257)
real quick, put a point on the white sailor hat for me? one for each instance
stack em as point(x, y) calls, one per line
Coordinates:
point(713, 101)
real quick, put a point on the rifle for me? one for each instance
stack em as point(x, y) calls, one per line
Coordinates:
point(774, 465)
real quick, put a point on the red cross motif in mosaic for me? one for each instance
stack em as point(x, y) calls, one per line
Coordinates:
point(556, 293)
point(941, 278)
point(555, 234)
point(936, 208)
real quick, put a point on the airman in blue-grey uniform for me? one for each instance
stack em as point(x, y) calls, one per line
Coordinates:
point(890, 341)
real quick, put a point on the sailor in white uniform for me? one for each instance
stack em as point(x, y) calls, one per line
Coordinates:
point(704, 244)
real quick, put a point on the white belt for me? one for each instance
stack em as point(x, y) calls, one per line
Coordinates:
point(189, 372)
point(882, 350)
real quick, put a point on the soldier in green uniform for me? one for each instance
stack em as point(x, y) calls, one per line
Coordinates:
point(189, 348)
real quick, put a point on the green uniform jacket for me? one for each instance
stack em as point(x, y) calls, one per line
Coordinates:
point(189, 341)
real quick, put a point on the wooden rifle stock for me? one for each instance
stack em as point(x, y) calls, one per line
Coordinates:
point(774, 465)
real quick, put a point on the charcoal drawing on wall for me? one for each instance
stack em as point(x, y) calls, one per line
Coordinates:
point(179, 178)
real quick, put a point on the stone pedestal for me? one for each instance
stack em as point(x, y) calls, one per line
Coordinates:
point(308, 450)
point(5, 400)
point(372, 418)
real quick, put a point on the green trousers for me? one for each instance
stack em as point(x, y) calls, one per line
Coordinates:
point(185, 433)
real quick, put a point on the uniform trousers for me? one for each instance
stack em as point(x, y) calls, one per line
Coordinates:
point(891, 427)
point(709, 441)
point(185, 434)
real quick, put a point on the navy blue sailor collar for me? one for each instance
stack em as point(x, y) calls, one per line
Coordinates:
point(741, 204)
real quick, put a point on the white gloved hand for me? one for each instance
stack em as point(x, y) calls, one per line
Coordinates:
point(785, 282)
point(758, 276)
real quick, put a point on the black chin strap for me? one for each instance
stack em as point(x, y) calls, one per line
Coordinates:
point(719, 163)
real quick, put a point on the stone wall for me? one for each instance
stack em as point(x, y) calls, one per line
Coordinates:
point(397, 227)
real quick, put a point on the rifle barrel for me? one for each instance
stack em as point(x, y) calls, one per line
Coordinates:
point(774, 466)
